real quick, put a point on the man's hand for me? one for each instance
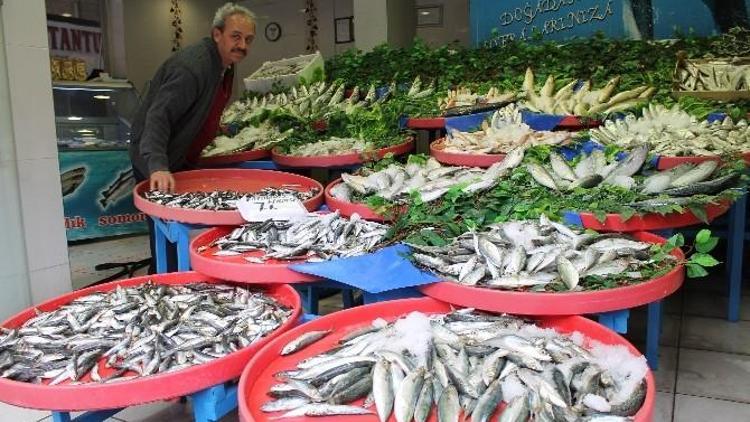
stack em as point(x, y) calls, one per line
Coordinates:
point(162, 181)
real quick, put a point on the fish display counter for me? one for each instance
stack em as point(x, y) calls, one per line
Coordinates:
point(98, 348)
point(92, 120)
point(424, 359)
point(209, 196)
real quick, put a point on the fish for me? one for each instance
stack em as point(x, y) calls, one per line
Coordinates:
point(519, 263)
point(140, 331)
point(72, 179)
point(314, 238)
point(303, 341)
point(445, 360)
point(250, 138)
point(675, 132)
point(431, 180)
point(120, 188)
point(541, 176)
point(224, 200)
point(504, 131)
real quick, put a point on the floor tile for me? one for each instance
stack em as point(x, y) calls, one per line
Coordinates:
point(714, 374)
point(713, 305)
point(715, 334)
point(700, 409)
point(10, 413)
point(85, 256)
point(637, 328)
point(672, 304)
point(172, 411)
point(664, 407)
point(666, 375)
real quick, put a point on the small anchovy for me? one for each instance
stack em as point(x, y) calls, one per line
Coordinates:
point(137, 331)
point(314, 238)
point(225, 200)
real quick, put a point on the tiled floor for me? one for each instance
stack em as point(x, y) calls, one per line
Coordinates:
point(704, 372)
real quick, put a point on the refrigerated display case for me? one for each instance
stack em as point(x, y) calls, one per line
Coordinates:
point(93, 122)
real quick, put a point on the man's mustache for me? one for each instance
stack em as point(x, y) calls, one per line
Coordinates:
point(240, 50)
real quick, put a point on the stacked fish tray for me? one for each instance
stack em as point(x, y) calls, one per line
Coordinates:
point(209, 197)
point(139, 340)
point(422, 359)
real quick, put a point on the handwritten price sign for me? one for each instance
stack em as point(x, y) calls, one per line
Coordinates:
point(280, 208)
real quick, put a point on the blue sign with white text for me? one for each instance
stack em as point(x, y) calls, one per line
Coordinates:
point(498, 21)
point(97, 194)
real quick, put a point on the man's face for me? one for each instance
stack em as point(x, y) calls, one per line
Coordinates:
point(234, 41)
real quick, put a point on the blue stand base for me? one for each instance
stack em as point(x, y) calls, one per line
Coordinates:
point(209, 405)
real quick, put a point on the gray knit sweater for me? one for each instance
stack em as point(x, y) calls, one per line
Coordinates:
point(175, 107)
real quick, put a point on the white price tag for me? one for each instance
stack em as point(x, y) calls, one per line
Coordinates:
point(278, 208)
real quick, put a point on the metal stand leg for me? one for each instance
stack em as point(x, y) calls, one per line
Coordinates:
point(653, 332)
point(615, 320)
point(160, 242)
point(736, 241)
point(182, 233)
point(213, 403)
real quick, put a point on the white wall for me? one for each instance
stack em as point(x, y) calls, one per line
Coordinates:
point(148, 33)
point(455, 23)
point(33, 253)
point(290, 15)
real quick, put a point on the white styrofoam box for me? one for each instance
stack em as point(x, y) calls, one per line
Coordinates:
point(289, 71)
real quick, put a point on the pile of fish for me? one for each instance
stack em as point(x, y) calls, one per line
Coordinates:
point(263, 137)
point(712, 75)
point(138, 331)
point(431, 180)
point(461, 366)
point(465, 97)
point(534, 255)
point(505, 132)
point(674, 132)
point(582, 101)
point(316, 238)
point(593, 170)
point(316, 101)
point(225, 200)
point(331, 146)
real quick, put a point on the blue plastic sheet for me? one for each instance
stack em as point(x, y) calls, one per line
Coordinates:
point(467, 123)
point(713, 117)
point(384, 270)
point(588, 146)
point(538, 121)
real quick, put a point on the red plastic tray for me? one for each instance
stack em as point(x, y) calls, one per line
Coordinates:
point(255, 154)
point(241, 180)
point(573, 123)
point(96, 396)
point(341, 160)
point(236, 268)
point(561, 303)
point(258, 375)
point(667, 162)
point(428, 123)
point(462, 159)
point(651, 222)
point(348, 208)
